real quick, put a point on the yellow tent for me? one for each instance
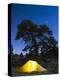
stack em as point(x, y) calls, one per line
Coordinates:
point(31, 66)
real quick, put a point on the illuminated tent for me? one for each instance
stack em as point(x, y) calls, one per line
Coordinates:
point(30, 66)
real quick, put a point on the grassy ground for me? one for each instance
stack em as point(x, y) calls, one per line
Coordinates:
point(51, 66)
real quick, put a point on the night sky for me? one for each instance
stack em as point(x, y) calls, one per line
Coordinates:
point(38, 14)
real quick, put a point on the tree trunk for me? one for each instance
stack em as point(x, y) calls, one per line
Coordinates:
point(34, 43)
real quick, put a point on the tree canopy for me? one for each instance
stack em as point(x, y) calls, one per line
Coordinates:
point(35, 36)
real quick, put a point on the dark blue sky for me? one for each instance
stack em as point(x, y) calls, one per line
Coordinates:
point(38, 14)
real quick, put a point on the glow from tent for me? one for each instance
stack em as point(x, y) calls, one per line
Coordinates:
point(31, 66)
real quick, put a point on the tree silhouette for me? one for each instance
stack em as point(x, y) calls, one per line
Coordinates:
point(35, 36)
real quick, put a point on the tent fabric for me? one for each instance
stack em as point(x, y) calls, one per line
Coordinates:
point(31, 66)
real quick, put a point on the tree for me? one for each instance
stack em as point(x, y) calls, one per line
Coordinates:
point(34, 35)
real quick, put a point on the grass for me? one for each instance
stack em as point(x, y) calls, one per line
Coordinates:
point(51, 66)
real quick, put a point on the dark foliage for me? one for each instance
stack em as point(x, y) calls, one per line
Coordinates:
point(36, 37)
